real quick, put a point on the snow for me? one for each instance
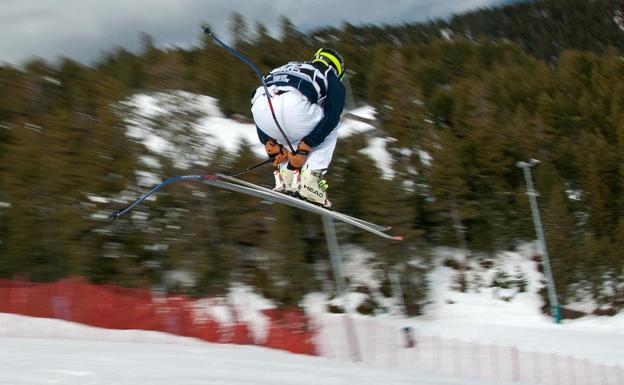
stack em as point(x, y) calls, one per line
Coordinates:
point(146, 178)
point(365, 112)
point(505, 317)
point(376, 150)
point(150, 119)
point(97, 199)
point(425, 157)
point(60, 352)
point(150, 161)
point(156, 121)
point(350, 127)
point(446, 34)
point(249, 306)
point(618, 19)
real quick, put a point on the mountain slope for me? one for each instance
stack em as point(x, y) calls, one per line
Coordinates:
point(556, 25)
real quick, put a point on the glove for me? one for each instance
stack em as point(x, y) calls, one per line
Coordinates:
point(297, 159)
point(274, 149)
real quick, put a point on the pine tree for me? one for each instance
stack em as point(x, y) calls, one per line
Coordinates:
point(263, 49)
point(563, 239)
point(239, 30)
point(401, 115)
point(600, 182)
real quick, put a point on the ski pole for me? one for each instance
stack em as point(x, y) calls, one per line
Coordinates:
point(252, 167)
point(156, 188)
point(255, 68)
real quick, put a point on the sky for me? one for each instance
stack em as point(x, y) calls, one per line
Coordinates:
point(85, 29)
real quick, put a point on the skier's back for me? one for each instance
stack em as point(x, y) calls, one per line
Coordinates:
point(308, 99)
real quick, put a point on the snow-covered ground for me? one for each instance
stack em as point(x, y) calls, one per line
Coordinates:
point(487, 332)
point(60, 352)
point(510, 317)
point(482, 336)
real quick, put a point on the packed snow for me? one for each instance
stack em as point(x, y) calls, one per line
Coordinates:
point(42, 351)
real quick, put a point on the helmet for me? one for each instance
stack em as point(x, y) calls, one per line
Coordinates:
point(329, 57)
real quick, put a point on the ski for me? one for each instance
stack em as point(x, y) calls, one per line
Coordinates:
point(269, 191)
point(233, 184)
point(228, 182)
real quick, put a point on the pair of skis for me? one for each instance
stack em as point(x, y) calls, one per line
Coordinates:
point(233, 184)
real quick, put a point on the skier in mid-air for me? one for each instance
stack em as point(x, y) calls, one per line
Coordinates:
point(308, 99)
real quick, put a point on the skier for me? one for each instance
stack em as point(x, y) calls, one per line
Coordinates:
point(308, 98)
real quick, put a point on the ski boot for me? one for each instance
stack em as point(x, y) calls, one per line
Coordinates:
point(286, 181)
point(313, 188)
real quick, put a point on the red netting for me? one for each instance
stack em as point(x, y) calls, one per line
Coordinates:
point(114, 307)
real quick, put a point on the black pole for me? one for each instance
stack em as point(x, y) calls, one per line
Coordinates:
point(255, 68)
point(252, 167)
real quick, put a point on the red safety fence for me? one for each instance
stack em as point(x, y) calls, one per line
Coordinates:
point(114, 307)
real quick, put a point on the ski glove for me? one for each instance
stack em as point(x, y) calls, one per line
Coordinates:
point(276, 150)
point(297, 159)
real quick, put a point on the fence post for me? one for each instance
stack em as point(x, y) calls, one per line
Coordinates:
point(375, 339)
point(476, 360)
point(571, 374)
point(619, 375)
point(368, 341)
point(537, 370)
point(555, 368)
point(414, 355)
point(494, 359)
point(436, 354)
point(456, 357)
point(392, 356)
point(588, 372)
point(515, 364)
point(603, 375)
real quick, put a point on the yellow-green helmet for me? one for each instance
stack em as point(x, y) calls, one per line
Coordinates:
point(329, 57)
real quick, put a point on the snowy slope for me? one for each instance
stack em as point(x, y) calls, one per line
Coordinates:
point(483, 316)
point(84, 355)
point(510, 317)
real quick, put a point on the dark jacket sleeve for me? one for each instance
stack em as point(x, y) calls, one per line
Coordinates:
point(332, 108)
point(262, 136)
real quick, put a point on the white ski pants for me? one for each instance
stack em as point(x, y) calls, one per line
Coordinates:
point(297, 117)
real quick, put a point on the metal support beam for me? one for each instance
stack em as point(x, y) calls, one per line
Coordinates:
point(341, 286)
point(397, 291)
point(555, 311)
